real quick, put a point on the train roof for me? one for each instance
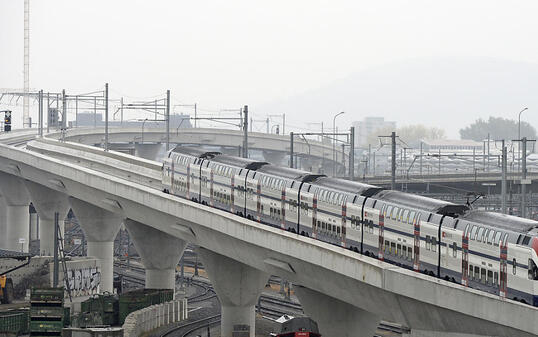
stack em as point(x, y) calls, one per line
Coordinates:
point(353, 187)
point(423, 203)
point(239, 162)
point(195, 152)
point(289, 173)
point(502, 221)
point(299, 324)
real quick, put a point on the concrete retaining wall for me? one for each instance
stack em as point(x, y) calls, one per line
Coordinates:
point(151, 318)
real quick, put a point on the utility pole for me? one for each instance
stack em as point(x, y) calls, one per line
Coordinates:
point(64, 106)
point(488, 151)
point(56, 275)
point(291, 149)
point(283, 124)
point(267, 121)
point(421, 158)
point(167, 120)
point(245, 131)
point(523, 177)
point(352, 153)
point(26, 98)
point(106, 116)
point(40, 113)
point(503, 181)
point(393, 164)
point(76, 111)
point(48, 108)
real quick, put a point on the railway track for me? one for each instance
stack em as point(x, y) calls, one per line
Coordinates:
point(267, 306)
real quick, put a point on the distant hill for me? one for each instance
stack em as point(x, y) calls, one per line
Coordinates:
point(447, 93)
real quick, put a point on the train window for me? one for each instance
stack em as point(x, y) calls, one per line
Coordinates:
point(394, 213)
point(490, 277)
point(399, 249)
point(479, 234)
point(491, 236)
point(526, 240)
point(495, 278)
point(477, 272)
point(411, 217)
point(514, 266)
point(471, 271)
point(434, 244)
point(388, 209)
point(371, 227)
point(393, 248)
point(428, 242)
point(338, 231)
point(455, 250)
point(497, 238)
point(483, 276)
point(405, 216)
point(473, 232)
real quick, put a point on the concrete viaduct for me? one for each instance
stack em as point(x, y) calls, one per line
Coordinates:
point(346, 293)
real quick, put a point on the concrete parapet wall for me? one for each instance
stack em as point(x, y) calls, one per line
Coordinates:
point(153, 317)
point(427, 333)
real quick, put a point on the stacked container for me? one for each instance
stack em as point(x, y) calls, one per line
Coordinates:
point(46, 311)
point(14, 322)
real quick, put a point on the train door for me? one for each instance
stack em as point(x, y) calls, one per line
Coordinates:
point(232, 192)
point(291, 216)
point(315, 214)
point(188, 181)
point(465, 256)
point(416, 241)
point(503, 246)
point(211, 186)
point(344, 222)
point(172, 181)
point(283, 206)
point(206, 184)
point(382, 216)
point(251, 190)
point(259, 206)
point(306, 198)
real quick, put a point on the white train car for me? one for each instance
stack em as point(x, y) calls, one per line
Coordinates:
point(488, 251)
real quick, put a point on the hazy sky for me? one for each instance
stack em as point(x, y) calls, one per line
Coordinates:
point(224, 54)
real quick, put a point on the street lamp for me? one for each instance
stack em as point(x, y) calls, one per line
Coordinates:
point(519, 137)
point(334, 141)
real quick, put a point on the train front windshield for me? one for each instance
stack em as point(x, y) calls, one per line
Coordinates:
point(533, 270)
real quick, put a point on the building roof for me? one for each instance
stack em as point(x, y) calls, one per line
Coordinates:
point(451, 142)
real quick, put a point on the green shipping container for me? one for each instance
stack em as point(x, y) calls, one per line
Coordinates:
point(46, 326)
point(14, 321)
point(46, 311)
point(47, 295)
point(141, 298)
point(67, 316)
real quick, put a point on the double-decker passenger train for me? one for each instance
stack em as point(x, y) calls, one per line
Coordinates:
point(492, 252)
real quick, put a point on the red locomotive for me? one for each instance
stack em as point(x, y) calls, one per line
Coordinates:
point(299, 327)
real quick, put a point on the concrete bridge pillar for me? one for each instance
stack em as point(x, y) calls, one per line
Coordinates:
point(148, 151)
point(33, 224)
point(160, 253)
point(274, 157)
point(17, 212)
point(336, 318)
point(100, 228)
point(238, 287)
point(47, 202)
